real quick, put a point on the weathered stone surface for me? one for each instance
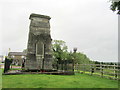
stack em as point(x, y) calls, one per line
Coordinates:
point(39, 54)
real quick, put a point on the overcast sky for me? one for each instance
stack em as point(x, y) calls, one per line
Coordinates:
point(89, 25)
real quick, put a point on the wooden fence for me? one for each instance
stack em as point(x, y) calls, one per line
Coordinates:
point(103, 70)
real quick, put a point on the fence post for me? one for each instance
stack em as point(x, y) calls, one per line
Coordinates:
point(73, 65)
point(115, 72)
point(101, 69)
point(84, 68)
point(92, 69)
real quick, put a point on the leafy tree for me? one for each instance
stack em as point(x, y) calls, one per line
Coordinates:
point(96, 62)
point(81, 58)
point(60, 53)
point(115, 6)
point(59, 50)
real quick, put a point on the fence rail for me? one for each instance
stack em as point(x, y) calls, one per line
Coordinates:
point(103, 70)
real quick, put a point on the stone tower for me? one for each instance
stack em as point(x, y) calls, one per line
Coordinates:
point(39, 55)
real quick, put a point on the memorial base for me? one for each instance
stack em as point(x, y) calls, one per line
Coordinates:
point(52, 72)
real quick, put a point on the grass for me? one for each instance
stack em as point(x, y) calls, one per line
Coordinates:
point(1, 63)
point(57, 81)
point(0, 78)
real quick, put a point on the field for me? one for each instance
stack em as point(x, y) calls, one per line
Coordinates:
point(0, 78)
point(57, 81)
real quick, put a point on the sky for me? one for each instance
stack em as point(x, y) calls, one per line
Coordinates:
point(89, 25)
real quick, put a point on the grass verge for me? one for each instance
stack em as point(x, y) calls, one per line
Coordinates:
point(57, 81)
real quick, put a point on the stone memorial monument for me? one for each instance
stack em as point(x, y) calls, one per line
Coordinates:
point(39, 51)
point(39, 55)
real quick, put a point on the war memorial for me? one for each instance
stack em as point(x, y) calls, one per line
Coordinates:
point(39, 51)
point(39, 55)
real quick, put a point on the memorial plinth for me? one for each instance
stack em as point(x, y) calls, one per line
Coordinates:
point(39, 55)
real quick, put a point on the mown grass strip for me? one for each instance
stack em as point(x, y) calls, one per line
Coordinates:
point(57, 81)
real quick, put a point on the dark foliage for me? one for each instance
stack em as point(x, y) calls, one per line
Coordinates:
point(115, 6)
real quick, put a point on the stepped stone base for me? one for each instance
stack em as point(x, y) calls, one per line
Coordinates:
point(16, 72)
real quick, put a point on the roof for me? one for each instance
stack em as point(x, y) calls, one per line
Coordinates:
point(39, 15)
point(17, 53)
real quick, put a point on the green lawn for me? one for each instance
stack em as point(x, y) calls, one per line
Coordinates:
point(0, 78)
point(57, 81)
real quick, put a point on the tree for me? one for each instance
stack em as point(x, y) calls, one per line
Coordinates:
point(115, 6)
point(59, 50)
point(81, 58)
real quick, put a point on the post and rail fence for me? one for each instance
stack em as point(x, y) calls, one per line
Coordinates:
point(103, 70)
